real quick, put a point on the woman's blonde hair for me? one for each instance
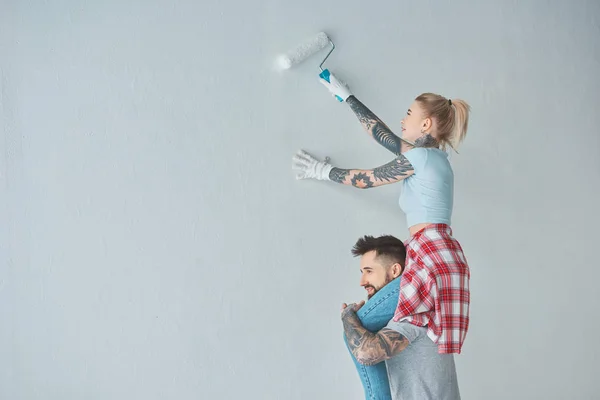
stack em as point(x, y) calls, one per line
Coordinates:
point(451, 118)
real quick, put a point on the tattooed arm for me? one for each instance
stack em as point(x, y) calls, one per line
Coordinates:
point(371, 348)
point(394, 171)
point(377, 128)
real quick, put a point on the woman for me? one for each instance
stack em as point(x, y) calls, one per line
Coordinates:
point(434, 288)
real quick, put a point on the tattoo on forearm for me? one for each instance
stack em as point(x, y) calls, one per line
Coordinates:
point(338, 174)
point(371, 348)
point(394, 170)
point(391, 172)
point(361, 179)
point(375, 126)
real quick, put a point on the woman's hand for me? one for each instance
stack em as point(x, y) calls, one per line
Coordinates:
point(334, 85)
point(309, 167)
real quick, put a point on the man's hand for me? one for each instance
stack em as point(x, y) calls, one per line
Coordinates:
point(352, 308)
point(369, 348)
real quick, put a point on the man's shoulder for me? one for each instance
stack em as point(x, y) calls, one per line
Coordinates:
point(407, 329)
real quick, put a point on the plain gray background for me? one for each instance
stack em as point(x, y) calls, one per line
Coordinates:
point(155, 244)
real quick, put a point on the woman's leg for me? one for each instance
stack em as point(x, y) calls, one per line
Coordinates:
point(375, 315)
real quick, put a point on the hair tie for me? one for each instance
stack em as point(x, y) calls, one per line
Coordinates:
point(449, 102)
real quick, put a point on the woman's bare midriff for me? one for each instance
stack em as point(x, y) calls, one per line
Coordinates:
point(416, 228)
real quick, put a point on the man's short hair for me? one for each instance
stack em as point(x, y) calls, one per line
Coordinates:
point(387, 246)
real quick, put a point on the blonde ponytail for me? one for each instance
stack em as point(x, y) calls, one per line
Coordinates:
point(460, 123)
point(451, 118)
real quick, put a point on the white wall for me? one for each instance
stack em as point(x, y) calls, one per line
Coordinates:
point(155, 244)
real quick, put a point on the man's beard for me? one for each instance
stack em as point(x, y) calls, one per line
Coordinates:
point(372, 294)
point(375, 290)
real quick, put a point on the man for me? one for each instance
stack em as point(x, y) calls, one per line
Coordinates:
point(381, 264)
point(395, 360)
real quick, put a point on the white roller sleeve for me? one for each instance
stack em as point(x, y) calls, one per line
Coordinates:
point(303, 51)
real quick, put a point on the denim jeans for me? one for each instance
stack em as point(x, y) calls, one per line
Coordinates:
point(375, 315)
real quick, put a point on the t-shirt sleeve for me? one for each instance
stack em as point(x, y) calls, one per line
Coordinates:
point(417, 157)
point(406, 329)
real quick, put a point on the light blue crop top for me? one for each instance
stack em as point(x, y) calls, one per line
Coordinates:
point(427, 195)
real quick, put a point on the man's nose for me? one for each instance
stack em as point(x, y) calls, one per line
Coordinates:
point(363, 281)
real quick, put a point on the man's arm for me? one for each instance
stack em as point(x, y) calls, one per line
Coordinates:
point(370, 348)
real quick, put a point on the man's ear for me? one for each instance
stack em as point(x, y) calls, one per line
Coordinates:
point(396, 270)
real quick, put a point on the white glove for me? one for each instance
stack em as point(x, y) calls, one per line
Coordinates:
point(336, 87)
point(311, 168)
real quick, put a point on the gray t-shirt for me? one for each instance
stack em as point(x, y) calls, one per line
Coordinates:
point(419, 372)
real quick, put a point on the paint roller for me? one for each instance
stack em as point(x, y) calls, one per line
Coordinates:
point(306, 49)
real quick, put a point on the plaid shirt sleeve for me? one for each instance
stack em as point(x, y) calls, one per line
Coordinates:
point(417, 294)
point(452, 306)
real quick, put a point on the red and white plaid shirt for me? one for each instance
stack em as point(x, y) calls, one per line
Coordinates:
point(434, 288)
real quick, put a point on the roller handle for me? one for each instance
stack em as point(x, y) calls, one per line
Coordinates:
point(325, 74)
